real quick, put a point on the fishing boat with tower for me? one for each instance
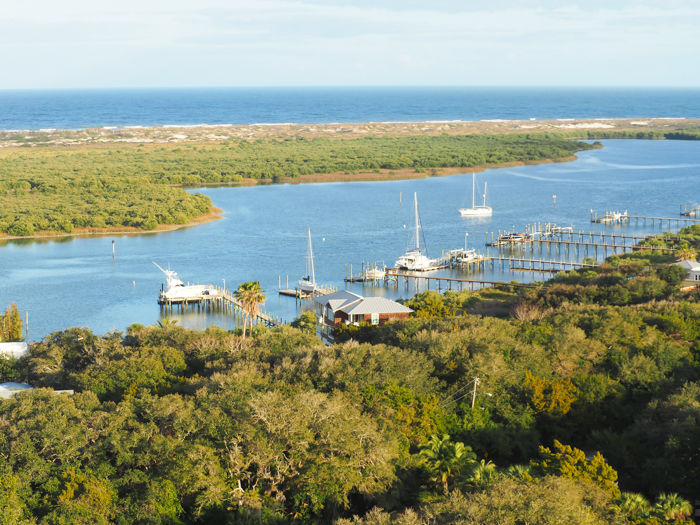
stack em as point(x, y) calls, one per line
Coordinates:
point(175, 291)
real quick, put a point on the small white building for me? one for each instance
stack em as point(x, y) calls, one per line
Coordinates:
point(692, 272)
point(15, 350)
point(8, 390)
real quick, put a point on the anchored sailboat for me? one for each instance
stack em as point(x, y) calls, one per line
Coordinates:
point(308, 283)
point(415, 258)
point(477, 209)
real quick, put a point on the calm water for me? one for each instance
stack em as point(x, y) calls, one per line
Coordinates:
point(78, 109)
point(263, 236)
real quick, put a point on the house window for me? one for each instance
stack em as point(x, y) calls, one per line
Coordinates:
point(375, 319)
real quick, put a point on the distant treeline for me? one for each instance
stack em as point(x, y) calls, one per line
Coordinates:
point(687, 134)
point(60, 190)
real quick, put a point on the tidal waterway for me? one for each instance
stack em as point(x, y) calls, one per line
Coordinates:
point(75, 282)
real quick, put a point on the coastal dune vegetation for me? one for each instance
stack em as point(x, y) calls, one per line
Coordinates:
point(111, 187)
point(586, 411)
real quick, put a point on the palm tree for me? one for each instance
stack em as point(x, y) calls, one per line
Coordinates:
point(634, 505)
point(482, 475)
point(250, 295)
point(672, 507)
point(445, 458)
point(687, 254)
point(165, 322)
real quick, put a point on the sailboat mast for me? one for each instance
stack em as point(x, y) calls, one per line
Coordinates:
point(311, 260)
point(415, 204)
point(485, 194)
point(473, 188)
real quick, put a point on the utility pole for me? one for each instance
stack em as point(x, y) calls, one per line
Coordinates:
point(476, 383)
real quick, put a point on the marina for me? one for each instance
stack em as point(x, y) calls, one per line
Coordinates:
point(252, 244)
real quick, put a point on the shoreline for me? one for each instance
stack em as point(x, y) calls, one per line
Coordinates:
point(384, 175)
point(213, 215)
point(217, 134)
point(146, 127)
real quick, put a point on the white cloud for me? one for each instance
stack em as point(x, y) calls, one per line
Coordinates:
point(76, 43)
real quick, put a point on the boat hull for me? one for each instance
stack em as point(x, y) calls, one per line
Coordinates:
point(415, 261)
point(478, 212)
point(307, 286)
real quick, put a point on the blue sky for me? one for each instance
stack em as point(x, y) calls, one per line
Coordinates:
point(174, 43)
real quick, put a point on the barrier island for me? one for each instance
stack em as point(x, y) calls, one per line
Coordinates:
point(97, 181)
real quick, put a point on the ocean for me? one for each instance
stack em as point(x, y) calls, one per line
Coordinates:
point(80, 109)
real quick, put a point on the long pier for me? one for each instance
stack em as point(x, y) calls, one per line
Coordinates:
point(585, 241)
point(537, 265)
point(624, 218)
point(221, 300)
point(460, 283)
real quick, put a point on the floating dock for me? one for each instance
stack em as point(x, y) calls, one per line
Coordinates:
point(300, 294)
point(689, 210)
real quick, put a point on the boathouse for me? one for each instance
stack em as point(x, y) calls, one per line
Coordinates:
point(348, 307)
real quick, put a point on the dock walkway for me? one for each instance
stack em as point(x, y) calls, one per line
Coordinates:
point(222, 300)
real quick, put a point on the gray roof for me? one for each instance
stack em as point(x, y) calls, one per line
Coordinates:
point(338, 300)
point(689, 265)
point(10, 389)
point(376, 305)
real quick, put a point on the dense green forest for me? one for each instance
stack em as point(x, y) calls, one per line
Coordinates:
point(48, 189)
point(60, 190)
point(586, 410)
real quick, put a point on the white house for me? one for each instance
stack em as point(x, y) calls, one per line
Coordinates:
point(15, 350)
point(692, 272)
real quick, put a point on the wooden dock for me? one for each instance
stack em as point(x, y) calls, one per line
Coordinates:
point(537, 265)
point(679, 221)
point(460, 284)
point(221, 300)
point(300, 294)
point(689, 210)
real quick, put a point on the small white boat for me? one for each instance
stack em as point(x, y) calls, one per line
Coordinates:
point(415, 258)
point(375, 273)
point(477, 209)
point(465, 255)
point(176, 291)
point(308, 284)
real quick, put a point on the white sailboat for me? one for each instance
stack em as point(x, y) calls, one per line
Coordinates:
point(477, 209)
point(176, 290)
point(308, 284)
point(415, 258)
